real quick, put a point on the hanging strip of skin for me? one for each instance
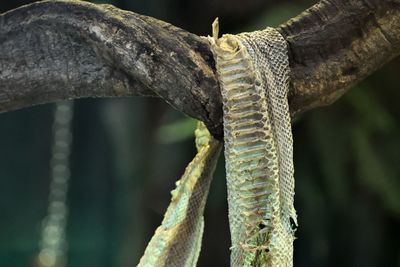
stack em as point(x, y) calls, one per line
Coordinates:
point(253, 72)
point(177, 241)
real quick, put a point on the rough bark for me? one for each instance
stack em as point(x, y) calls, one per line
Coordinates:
point(56, 50)
point(337, 43)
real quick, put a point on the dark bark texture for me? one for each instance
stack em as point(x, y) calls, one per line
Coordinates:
point(337, 43)
point(55, 50)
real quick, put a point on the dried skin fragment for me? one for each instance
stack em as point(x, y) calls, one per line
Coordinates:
point(253, 75)
point(177, 241)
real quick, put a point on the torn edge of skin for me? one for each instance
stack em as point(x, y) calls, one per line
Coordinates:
point(215, 29)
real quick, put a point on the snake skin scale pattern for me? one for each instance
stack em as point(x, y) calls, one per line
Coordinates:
point(177, 241)
point(253, 72)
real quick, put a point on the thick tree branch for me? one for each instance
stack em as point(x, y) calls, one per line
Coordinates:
point(336, 44)
point(57, 50)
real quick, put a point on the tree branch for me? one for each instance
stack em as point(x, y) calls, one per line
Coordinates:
point(337, 43)
point(56, 50)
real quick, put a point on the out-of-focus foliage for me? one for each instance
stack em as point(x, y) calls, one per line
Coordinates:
point(177, 131)
point(127, 154)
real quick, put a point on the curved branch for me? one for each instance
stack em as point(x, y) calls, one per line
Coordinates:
point(337, 43)
point(57, 50)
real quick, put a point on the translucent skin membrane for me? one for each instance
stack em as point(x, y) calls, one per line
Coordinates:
point(253, 71)
point(177, 242)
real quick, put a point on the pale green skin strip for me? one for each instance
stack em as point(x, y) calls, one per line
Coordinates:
point(177, 241)
point(258, 184)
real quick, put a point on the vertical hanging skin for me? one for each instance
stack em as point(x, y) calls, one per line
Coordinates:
point(253, 71)
point(177, 241)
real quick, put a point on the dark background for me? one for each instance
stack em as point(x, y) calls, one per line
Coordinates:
point(127, 154)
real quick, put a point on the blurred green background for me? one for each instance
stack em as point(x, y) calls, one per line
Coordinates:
point(127, 154)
